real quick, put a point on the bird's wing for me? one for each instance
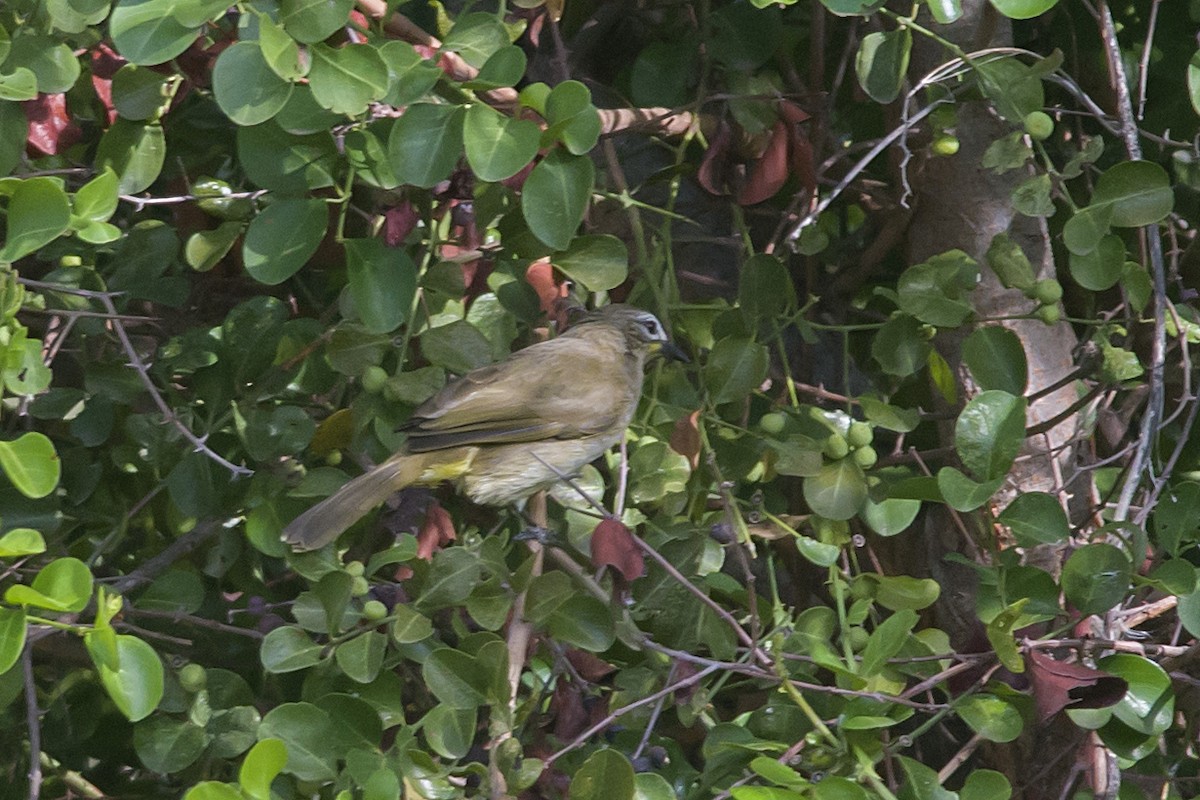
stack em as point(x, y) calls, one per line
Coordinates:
point(561, 389)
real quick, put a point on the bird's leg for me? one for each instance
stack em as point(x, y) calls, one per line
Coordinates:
point(533, 532)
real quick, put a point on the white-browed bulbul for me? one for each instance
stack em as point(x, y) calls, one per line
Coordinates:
point(505, 431)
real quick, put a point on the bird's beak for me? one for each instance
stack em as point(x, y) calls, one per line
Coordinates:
point(670, 351)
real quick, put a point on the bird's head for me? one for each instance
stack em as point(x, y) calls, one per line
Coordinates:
point(641, 328)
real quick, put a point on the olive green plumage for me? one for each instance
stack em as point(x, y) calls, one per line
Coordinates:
point(505, 431)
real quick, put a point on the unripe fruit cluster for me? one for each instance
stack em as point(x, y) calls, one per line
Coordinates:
point(856, 443)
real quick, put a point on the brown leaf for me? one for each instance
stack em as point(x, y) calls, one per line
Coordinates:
point(544, 279)
point(589, 666)
point(436, 532)
point(398, 223)
point(613, 546)
point(770, 170)
point(685, 438)
point(1058, 685)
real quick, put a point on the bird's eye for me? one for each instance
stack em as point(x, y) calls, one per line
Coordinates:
point(651, 326)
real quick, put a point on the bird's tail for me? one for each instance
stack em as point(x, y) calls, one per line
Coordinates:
point(329, 518)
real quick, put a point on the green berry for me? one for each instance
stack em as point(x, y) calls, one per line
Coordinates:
point(373, 379)
point(1049, 314)
point(193, 678)
point(1038, 125)
point(836, 447)
point(772, 423)
point(359, 586)
point(1047, 291)
point(857, 638)
point(333, 458)
point(860, 434)
point(355, 569)
point(865, 457)
point(374, 610)
point(945, 145)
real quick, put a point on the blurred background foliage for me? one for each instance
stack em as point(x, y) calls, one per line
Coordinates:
point(919, 520)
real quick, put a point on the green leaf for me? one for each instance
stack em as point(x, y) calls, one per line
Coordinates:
point(1096, 578)
point(361, 657)
point(735, 368)
point(1149, 703)
point(1086, 228)
point(1036, 518)
point(97, 199)
point(571, 117)
point(307, 733)
point(555, 196)
point(166, 745)
point(53, 64)
point(899, 592)
point(498, 146)
point(38, 213)
point(989, 433)
point(262, 764)
point(455, 678)
point(382, 282)
point(283, 238)
point(599, 262)
point(277, 160)
point(1009, 262)
point(288, 649)
point(410, 77)
point(311, 21)
point(21, 542)
point(146, 32)
point(368, 158)
point(346, 79)
point(135, 152)
point(505, 67)
point(765, 288)
point(1193, 81)
point(838, 491)
point(246, 88)
point(882, 63)
point(450, 731)
point(31, 464)
point(1023, 9)
point(1102, 266)
point(584, 622)
point(886, 641)
point(991, 717)
point(139, 93)
point(135, 683)
point(12, 637)
point(996, 358)
point(1139, 193)
point(606, 775)
point(205, 249)
point(985, 784)
point(20, 84)
point(476, 37)
point(410, 626)
point(194, 13)
point(64, 584)
point(963, 494)
point(212, 790)
point(945, 11)
point(900, 346)
point(280, 50)
point(426, 142)
point(458, 346)
point(891, 516)
point(1176, 517)
point(937, 291)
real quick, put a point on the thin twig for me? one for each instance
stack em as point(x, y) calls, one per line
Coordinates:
point(33, 720)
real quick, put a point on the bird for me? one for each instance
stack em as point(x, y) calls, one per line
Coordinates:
point(507, 430)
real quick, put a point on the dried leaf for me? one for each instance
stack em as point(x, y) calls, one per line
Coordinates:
point(1058, 685)
point(685, 438)
point(436, 532)
point(613, 546)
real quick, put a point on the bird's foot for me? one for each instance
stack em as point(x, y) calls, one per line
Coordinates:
point(536, 533)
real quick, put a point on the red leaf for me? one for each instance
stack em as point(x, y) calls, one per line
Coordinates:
point(436, 532)
point(613, 546)
point(105, 63)
point(685, 438)
point(1058, 685)
point(51, 130)
point(770, 170)
point(398, 223)
point(544, 279)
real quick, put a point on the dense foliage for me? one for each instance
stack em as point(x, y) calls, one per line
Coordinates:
point(920, 519)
